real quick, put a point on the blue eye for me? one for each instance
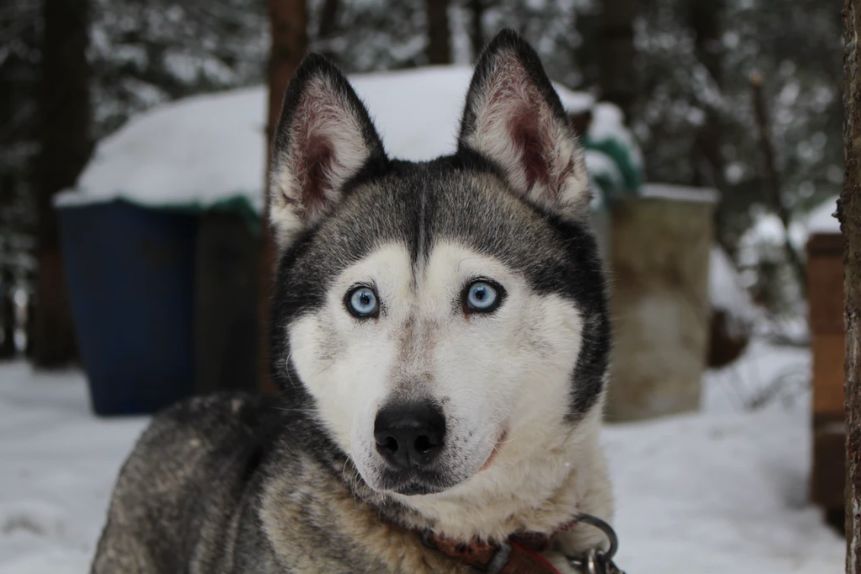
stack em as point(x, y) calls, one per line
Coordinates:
point(362, 302)
point(482, 296)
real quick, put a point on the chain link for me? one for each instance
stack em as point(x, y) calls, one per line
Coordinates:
point(598, 561)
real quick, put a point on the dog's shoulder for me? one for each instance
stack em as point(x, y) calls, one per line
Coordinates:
point(188, 473)
point(220, 429)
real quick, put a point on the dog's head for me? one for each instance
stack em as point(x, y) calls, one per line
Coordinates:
point(434, 317)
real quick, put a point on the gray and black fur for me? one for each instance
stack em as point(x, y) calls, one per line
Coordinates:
point(230, 484)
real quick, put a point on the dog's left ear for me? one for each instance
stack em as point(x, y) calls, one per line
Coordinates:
point(324, 138)
point(514, 118)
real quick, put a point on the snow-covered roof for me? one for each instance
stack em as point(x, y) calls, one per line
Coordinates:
point(193, 152)
point(680, 192)
point(209, 149)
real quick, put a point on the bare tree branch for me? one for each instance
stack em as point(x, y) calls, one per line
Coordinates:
point(772, 177)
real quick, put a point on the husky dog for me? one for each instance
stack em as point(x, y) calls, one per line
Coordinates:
point(440, 341)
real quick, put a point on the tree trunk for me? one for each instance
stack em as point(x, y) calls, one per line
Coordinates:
point(7, 313)
point(327, 27)
point(849, 212)
point(705, 20)
point(476, 26)
point(772, 179)
point(439, 36)
point(328, 23)
point(65, 149)
point(618, 68)
point(289, 28)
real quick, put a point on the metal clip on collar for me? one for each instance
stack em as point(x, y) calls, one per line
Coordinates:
point(597, 561)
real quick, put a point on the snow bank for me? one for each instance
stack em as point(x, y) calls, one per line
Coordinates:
point(723, 491)
point(59, 464)
point(719, 493)
point(680, 192)
point(209, 149)
point(765, 375)
point(726, 291)
point(823, 219)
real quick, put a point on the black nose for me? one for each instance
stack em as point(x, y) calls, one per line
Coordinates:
point(410, 435)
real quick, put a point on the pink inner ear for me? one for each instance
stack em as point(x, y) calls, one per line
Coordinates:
point(317, 156)
point(527, 137)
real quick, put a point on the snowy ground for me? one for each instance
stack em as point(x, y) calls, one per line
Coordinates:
point(717, 492)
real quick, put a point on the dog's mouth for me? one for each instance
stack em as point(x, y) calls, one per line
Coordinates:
point(411, 483)
point(496, 448)
point(430, 480)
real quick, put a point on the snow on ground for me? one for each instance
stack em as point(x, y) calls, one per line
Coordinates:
point(725, 490)
point(720, 491)
point(58, 467)
point(206, 149)
point(727, 292)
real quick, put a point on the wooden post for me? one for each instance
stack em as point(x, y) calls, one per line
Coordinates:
point(849, 213)
point(289, 22)
point(827, 338)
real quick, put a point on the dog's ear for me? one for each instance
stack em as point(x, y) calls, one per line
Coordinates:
point(514, 118)
point(324, 138)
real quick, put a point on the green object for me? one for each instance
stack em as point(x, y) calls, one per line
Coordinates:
point(235, 204)
point(630, 176)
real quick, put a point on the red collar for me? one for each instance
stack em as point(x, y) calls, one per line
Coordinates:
point(520, 554)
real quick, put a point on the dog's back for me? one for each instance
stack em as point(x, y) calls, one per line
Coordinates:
point(180, 492)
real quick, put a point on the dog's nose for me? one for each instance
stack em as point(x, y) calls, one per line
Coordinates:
point(410, 435)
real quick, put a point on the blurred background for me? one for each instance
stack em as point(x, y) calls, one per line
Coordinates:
point(135, 264)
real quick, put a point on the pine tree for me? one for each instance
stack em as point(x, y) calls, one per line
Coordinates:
point(65, 148)
point(438, 32)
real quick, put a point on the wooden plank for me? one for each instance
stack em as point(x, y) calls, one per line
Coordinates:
point(825, 290)
point(829, 471)
point(825, 285)
point(828, 357)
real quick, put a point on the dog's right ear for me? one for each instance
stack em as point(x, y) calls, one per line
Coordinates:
point(514, 118)
point(324, 138)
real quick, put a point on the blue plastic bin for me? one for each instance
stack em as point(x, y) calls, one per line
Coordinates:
point(130, 273)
